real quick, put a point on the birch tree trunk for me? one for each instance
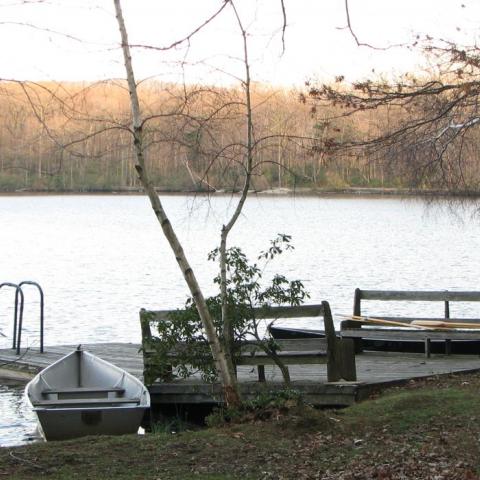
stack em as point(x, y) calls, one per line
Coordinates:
point(222, 362)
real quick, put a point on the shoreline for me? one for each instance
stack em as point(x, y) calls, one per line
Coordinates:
point(284, 192)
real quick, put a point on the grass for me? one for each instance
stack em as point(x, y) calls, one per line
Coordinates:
point(426, 430)
point(405, 410)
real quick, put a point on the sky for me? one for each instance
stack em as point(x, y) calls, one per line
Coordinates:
point(79, 40)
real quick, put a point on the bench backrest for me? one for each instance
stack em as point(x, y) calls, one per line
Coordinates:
point(317, 310)
point(301, 311)
point(410, 295)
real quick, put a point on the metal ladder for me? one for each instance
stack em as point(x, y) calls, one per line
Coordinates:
point(18, 312)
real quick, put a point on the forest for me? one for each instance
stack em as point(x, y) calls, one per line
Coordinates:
point(75, 137)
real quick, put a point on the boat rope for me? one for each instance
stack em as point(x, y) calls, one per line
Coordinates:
point(26, 461)
point(12, 362)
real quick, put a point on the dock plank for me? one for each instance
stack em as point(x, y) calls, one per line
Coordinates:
point(373, 370)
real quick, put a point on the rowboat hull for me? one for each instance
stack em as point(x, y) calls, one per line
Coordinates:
point(62, 424)
point(81, 395)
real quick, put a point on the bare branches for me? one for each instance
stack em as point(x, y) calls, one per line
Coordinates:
point(188, 37)
point(431, 128)
point(284, 25)
point(223, 362)
point(347, 12)
point(75, 129)
point(354, 35)
point(46, 30)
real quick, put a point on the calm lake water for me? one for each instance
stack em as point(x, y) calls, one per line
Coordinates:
point(100, 259)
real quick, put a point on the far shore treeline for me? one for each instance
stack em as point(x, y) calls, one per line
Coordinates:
point(74, 137)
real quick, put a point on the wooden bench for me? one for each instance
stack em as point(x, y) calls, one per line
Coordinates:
point(358, 330)
point(338, 354)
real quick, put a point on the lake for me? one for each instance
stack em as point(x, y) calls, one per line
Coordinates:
point(100, 258)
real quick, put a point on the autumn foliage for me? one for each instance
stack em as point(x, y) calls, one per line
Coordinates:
point(75, 137)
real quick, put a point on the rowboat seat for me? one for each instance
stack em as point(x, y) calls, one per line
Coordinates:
point(84, 402)
point(118, 390)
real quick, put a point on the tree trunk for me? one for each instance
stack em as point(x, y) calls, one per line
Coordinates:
point(228, 333)
point(228, 380)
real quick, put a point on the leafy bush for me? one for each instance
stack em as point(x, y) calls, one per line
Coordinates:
point(182, 343)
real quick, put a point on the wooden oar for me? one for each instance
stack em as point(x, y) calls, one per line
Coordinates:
point(446, 325)
point(388, 323)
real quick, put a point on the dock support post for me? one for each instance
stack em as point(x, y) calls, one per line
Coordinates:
point(447, 309)
point(348, 367)
point(333, 346)
point(428, 344)
point(357, 311)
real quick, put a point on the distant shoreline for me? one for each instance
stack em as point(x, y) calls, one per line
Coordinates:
point(287, 192)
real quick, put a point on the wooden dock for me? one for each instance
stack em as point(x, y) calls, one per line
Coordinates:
point(374, 370)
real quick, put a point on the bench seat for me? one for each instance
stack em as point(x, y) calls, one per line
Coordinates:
point(288, 358)
point(382, 333)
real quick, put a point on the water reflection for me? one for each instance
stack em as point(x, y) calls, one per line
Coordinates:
point(17, 422)
point(100, 259)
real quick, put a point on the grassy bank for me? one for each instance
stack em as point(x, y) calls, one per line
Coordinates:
point(427, 430)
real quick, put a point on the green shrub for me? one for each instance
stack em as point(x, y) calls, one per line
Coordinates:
point(184, 334)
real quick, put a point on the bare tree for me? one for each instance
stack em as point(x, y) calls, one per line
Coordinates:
point(221, 351)
point(432, 119)
point(222, 361)
point(79, 130)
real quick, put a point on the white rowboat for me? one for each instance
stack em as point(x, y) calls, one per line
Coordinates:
point(81, 394)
